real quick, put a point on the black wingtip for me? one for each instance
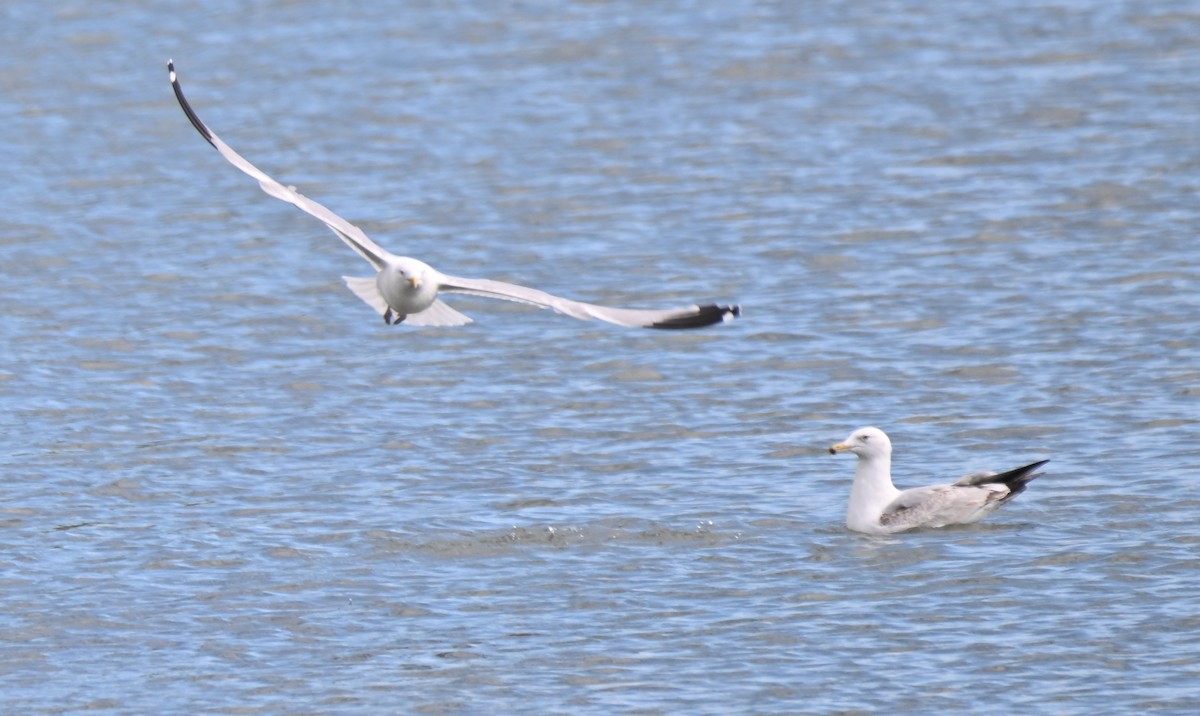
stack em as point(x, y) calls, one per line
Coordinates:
point(703, 316)
point(187, 108)
point(1017, 479)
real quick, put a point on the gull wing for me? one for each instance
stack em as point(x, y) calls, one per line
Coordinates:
point(920, 506)
point(349, 233)
point(690, 317)
point(941, 505)
point(967, 500)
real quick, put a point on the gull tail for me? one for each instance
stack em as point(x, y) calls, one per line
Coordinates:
point(1015, 480)
point(365, 289)
point(439, 314)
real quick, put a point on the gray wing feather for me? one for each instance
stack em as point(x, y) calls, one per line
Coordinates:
point(939, 505)
point(975, 478)
point(914, 507)
point(347, 232)
point(631, 317)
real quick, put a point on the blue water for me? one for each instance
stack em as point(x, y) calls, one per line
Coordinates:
point(229, 488)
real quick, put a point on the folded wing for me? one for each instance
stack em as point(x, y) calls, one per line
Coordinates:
point(969, 499)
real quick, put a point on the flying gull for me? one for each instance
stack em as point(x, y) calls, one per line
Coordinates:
point(406, 290)
point(877, 507)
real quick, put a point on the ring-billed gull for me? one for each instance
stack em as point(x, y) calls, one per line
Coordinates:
point(877, 507)
point(406, 290)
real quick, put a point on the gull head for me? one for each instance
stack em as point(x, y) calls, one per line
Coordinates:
point(407, 285)
point(867, 443)
point(409, 271)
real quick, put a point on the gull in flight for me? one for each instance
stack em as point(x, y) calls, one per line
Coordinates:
point(877, 507)
point(406, 290)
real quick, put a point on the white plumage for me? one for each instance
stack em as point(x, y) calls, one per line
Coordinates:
point(877, 507)
point(406, 290)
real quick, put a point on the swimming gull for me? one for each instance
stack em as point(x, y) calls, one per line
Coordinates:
point(877, 507)
point(406, 290)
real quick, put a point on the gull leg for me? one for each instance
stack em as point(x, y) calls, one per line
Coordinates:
point(392, 318)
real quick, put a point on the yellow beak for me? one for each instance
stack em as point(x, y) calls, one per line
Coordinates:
point(840, 447)
point(414, 281)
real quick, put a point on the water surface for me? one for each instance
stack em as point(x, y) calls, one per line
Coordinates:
point(230, 488)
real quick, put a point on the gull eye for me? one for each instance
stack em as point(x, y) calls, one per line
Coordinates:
point(864, 438)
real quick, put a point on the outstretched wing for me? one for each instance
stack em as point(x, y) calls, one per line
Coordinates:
point(690, 317)
point(349, 233)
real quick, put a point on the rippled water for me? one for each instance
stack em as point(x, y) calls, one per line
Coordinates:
point(229, 487)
